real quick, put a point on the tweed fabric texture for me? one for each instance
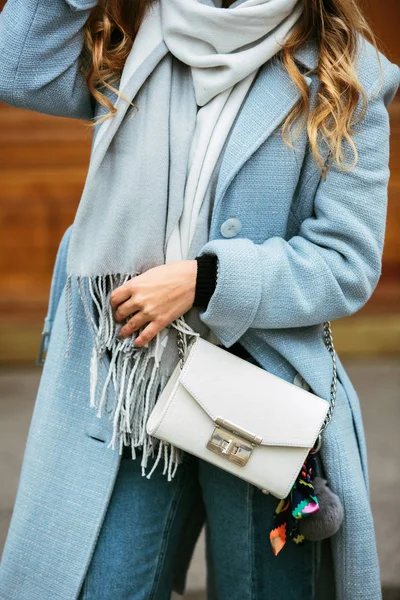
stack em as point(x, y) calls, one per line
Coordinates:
point(66, 479)
point(57, 87)
point(308, 251)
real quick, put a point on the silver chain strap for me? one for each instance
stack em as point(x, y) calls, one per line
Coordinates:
point(181, 348)
point(328, 338)
point(332, 399)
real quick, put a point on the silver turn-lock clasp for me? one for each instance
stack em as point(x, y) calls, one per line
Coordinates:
point(232, 442)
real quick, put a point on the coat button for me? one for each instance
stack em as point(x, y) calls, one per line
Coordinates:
point(231, 227)
point(301, 382)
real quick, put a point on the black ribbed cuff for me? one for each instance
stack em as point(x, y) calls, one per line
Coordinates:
point(206, 280)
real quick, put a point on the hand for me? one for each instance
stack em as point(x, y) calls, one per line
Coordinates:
point(157, 297)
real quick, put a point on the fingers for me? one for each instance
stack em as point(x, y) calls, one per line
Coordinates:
point(125, 302)
point(126, 309)
point(136, 322)
point(148, 333)
point(120, 295)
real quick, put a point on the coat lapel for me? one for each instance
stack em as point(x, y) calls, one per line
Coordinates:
point(270, 99)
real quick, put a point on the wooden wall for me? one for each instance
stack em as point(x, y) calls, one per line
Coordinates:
point(43, 165)
point(384, 18)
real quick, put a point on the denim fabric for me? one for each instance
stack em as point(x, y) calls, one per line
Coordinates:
point(135, 553)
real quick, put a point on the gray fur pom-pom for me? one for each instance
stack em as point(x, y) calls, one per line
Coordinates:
point(328, 519)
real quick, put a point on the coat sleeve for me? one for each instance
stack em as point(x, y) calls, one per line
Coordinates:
point(331, 267)
point(40, 44)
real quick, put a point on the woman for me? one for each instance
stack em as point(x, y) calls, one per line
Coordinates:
point(238, 183)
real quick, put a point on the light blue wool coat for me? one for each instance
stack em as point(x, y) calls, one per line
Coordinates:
point(308, 251)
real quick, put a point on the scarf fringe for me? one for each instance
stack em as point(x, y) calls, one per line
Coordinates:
point(134, 373)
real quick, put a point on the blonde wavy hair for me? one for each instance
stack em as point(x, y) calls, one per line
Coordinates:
point(335, 25)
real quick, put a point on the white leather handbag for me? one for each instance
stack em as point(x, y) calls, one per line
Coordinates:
point(239, 417)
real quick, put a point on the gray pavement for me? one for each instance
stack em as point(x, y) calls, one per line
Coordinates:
point(378, 384)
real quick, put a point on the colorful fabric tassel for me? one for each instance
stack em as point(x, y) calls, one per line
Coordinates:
point(299, 504)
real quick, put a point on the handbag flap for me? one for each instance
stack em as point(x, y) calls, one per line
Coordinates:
point(229, 387)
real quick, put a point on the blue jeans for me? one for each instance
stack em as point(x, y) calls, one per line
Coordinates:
point(142, 534)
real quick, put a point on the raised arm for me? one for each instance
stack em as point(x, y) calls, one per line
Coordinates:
point(40, 44)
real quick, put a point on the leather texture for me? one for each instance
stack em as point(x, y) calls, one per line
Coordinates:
point(217, 384)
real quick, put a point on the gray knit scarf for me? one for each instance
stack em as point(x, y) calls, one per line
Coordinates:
point(121, 230)
point(127, 213)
